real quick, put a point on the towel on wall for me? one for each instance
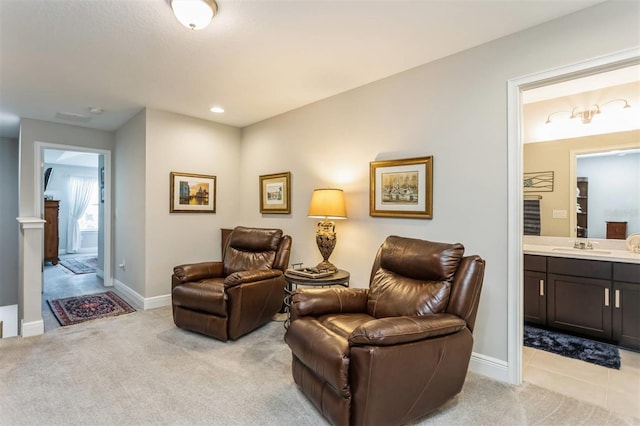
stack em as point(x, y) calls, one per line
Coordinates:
point(531, 217)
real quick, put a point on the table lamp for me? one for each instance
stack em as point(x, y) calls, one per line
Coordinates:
point(327, 204)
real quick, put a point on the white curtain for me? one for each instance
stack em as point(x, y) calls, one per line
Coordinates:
point(81, 191)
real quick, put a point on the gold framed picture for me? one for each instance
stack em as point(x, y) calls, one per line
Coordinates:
point(192, 193)
point(275, 193)
point(401, 188)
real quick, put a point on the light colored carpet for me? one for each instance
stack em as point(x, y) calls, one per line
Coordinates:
point(140, 369)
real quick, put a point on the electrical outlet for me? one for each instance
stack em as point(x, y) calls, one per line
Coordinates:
point(559, 214)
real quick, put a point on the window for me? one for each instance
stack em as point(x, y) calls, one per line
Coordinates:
point(89, 221)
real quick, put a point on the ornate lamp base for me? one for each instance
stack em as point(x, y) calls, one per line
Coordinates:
point(326, 240)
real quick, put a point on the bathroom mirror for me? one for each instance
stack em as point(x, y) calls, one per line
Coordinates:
point(611, 162)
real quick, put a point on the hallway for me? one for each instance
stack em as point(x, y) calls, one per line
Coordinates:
point(58, 282)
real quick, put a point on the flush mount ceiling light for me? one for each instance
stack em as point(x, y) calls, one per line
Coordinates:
point(194, 14)
point(217, 109)
point(586, 115)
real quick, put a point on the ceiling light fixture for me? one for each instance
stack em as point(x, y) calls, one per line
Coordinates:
point(586, 115)
point(217, 109)
point(194, 14)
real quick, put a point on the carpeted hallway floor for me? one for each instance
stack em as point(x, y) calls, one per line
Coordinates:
point(140, 369)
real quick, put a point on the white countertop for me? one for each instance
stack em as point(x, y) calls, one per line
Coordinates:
point(607, 250)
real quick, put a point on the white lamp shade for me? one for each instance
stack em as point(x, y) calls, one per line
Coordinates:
point(194, 14)
point(328, 203)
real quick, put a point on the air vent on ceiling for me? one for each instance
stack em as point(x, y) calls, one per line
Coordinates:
point(72, 116)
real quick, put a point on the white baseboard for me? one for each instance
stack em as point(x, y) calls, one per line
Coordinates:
point(9, 319)
point(490, 367)
point(157, 301)
point(33, 328)
point(139, 302)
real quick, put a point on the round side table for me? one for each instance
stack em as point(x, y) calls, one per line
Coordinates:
point(340, 277)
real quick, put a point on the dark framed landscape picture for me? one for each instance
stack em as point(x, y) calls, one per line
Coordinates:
point(192, 193)
point(275, 193)
point(401, 188)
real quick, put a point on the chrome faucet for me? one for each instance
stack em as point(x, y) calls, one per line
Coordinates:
point(582, 245)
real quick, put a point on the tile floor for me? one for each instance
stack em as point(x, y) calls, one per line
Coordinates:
point(616, 390)
point(58, 282)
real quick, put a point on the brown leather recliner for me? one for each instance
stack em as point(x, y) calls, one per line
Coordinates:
point(228, 299)
point(396, 351)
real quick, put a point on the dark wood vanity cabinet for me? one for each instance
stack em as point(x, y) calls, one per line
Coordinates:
point(590, 298)
point(580, 296)
point(535, 289)
point(626, 304)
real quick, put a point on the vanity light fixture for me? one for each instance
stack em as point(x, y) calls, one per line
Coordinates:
point(194, 14)
point(586, 115)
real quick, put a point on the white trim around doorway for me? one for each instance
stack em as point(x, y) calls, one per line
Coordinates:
point(514, 155)
point(107, 244)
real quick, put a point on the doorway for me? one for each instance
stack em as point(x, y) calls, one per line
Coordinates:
point(92, 235)
point(516, 120)
point(72, 197)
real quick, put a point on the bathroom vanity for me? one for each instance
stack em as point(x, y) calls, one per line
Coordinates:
point(591, 293)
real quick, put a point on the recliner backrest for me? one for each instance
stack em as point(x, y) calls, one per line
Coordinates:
point(465, 292)
point(412, 277)
point(251, 248)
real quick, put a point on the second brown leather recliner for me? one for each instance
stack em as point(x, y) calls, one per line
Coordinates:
point(389, 354)
point(230, 298)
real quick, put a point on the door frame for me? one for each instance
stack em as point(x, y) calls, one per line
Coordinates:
point(38, 190)
point(515, 316)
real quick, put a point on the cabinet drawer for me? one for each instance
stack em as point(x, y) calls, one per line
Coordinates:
point(579, 267)
point(535, 263)
point(626, 272)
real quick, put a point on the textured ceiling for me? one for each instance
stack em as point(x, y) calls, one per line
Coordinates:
point(257, 59)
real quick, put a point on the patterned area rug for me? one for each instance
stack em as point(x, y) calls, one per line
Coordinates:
point(74, 310)
point(572, 347)
point(80, 265)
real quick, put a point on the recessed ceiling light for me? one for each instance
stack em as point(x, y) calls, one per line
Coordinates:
point(217, 110)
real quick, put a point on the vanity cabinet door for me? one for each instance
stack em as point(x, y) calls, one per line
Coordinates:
point(580, 305)
point(626, 315)
point(535, 297)
point(626, 305)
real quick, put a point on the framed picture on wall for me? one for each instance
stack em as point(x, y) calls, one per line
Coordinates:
point(192, 193)
point(538, 182)
point(401, 188)
point(275, 193)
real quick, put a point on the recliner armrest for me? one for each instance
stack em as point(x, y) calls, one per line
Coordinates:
point(406, 329)
point(254, 275)
point(320, 301)
point(197, 271)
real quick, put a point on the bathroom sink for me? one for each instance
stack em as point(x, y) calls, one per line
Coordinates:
point(575, 250)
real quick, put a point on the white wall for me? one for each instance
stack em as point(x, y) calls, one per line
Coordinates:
point(177, 143)
point(454, 109)
point(9, 228)
point(129, 194)
point(613, 181)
